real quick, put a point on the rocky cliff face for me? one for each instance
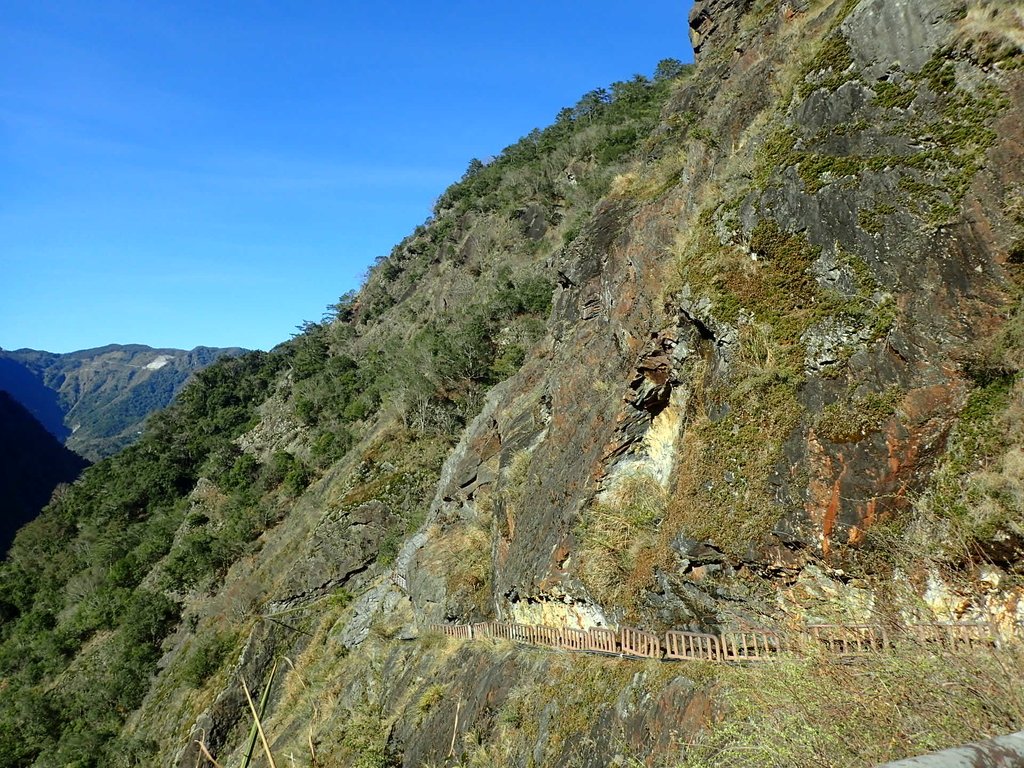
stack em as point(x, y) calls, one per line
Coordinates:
point(781, 343)
point(776, 381)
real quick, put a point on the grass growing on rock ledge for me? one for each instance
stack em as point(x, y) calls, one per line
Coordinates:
point(825, 712)
point(974, 497)
point(768, 281)
point(463, 556)
point(551, 706)
point(557, 716)
point(851, 419)
point(762, 296)
point(951, 134)
point(617, 537)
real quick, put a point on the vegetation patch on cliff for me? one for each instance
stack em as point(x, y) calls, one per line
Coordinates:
point(766, 289)
point(824, 712)
point(617, 538)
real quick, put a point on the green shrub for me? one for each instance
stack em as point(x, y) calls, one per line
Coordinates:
point(243, 473)
point(329, 446)
point(206, 657)
point(281, 466)
point(852, 419)
point(430, 698)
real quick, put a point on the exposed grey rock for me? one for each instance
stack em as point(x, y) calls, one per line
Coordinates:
point(712, 23)
point(829, 342)
point(218, 723)
point(699, 311)
point(276, 430)
point(999, 752)
point(681, 603)
point(896, 33)
point(695, 551)
point(532, 220)
point(544, 731)
point(190, 754)
point(343, 545)
point(369, 605)
point(825, 110)
point(463, 473)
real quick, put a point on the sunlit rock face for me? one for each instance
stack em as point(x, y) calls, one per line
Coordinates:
point(900, 240)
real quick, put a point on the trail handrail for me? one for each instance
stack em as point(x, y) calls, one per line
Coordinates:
point(636, 642)
point(603, 640)
point(575, 639)
point(740, 645)
point(692, 645)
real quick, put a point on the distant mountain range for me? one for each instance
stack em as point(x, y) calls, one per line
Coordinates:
point(96, 400)
point(32, 465)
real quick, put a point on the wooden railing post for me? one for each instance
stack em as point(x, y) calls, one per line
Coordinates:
point(744, 644)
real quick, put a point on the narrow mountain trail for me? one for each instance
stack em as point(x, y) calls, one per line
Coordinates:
point(848, 640)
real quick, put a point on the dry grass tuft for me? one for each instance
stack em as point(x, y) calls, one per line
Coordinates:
point(992, 32)
point(826, 712)
point(618, 538)
point(464, 557)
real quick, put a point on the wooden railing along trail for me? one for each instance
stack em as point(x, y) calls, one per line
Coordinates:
point(738, 645)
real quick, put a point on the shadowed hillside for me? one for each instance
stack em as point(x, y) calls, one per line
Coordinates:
point(32, 465)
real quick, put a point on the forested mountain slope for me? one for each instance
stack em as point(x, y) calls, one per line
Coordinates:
point(738, 345)
point(96, 400)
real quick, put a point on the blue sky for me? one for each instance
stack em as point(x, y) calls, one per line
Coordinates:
point(187, 173)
